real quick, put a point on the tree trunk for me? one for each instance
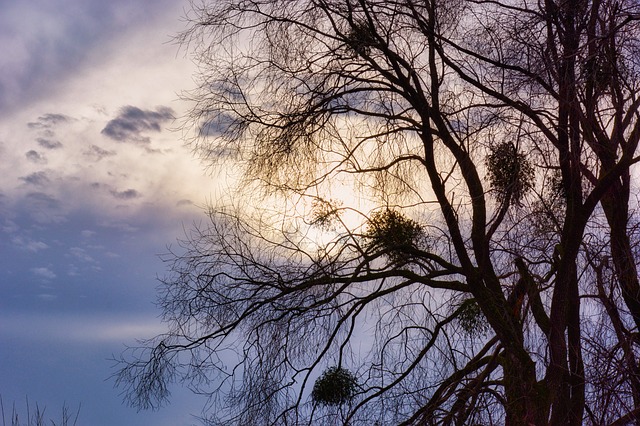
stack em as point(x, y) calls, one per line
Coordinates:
point(525, 397)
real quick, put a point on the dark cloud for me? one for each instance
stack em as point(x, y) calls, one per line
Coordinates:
point(49, 143)
point(36, 157)
point(220, 124)
point(44, 208)
point(132, 121)
point(96, 153)
point(154, 151)
point(47, 121)
point(184, 202)
point(37, 178)
point(129, 194)
point(43, 199)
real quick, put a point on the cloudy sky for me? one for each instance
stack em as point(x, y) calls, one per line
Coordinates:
point(94, 184)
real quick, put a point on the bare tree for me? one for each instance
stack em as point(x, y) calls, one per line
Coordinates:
point(483, 270)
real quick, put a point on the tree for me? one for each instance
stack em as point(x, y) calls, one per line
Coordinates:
point(489, 251)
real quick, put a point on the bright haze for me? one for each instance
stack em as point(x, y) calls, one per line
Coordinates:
point(95, 183)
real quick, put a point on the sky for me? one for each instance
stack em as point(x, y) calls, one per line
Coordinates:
point(95, 184)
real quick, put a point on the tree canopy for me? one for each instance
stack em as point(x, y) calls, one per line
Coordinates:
point(482, 268)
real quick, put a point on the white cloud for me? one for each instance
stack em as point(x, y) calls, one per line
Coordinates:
point(80, 328)
point(81, 254)
point(29, 244)
point(119, 226)
point(47, 296)
point(10, 226)
point(86, 233)
point(44, 272)
point(73, 271)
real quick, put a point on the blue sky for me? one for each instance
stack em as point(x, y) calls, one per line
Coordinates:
point(94, 185)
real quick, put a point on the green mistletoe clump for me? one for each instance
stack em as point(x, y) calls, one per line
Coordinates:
point(334, 387)
point(510, 173)
point(394, 233)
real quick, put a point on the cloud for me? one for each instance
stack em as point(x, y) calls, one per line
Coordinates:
point(184, 202)
point(29, 244)
point(221, 124)
point(98, 185)
point(44, 43)
point(38, 179)
point(36, 157)
point(86, 233)
point(132, 121)
point(96, 153)
point(49, 143)
point(47, 121)
point(44, 208)
point(47, 296)
point(43, 200)
point(80, 327)
point(44, 273)
point(119, 226)
point(81, 254)
point(10, 226)
point(129, 194)
point(154, 151)
point(73, 271)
